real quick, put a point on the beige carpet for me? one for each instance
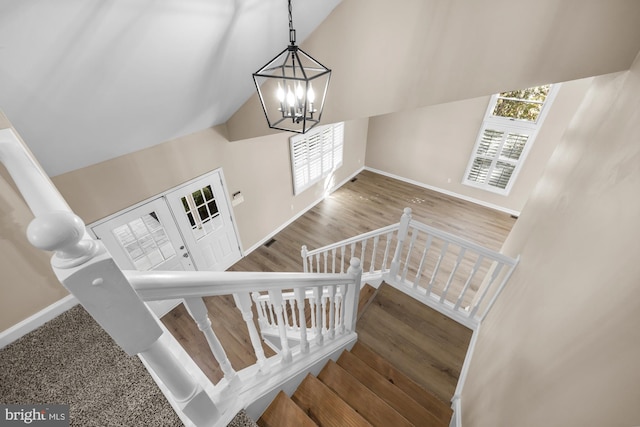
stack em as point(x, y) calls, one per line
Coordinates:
point(71, 360)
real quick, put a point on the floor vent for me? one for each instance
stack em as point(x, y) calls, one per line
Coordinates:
point(354, 179)
point(270, 242)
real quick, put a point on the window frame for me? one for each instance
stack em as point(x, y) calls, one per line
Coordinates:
point(317, 154)
point(508, 126)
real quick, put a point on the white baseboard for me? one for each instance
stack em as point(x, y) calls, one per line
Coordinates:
point(35, 321)
point(299, 214)
point(447, 192)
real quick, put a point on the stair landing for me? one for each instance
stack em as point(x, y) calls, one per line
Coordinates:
point(423, 344)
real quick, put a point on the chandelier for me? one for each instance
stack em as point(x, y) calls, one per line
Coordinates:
point(292, 87)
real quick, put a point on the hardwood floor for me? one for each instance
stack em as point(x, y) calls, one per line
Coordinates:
point(425, 345)
point(369, 202)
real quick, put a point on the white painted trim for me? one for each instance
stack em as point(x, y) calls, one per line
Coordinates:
point(36, 320)
point(447, 192)
point(456, 400)
point(456, 419)
point(302, 212)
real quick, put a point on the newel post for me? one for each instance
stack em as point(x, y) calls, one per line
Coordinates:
point(89, 272)
point(303, 253)
point(403, 230)
point(352, 297)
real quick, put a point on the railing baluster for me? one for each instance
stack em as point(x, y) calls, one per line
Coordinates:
point(260, 309)
point(272, 314)
point(427, 246)
point(317, 263)
point(389, 237)
point(243, 302)
point(443, 252)
point(405, 220)
point(494, 275)
point(343, 291)
point(342, 259)
point(443, 297)
point(288, 309)
point(363, 250)
point(305, 261)
point(317, 295)
point(333, 260)
point(332, 311)
point(300, 298)
point(198, 311)
point(326, 264)
point(353, 250)
point(373, 253)
point(468, 282)
point(414, 236)
point(277, 303)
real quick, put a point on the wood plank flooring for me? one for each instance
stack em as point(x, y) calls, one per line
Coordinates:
point(425, 345)
point(369, 202)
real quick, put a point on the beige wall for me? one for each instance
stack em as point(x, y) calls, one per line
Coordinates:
point(259, 167)
point(27, 283)
point(389, 56)
point(432, 145)
point(562, 344)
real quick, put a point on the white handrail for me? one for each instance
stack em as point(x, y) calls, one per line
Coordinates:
point(34, 185)
point(164, 285)
point(452, 238)
point(357, 239)
point(449, 273)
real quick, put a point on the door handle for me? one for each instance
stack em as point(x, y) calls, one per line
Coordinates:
point(186, 255)
point(182, 247)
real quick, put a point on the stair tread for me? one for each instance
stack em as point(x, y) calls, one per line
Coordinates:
point(424, 397)
point(395, 397)
point(283, 412)
point(374, 409)
point(324, 406)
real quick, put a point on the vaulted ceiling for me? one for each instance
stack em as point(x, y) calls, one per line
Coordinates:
point(88, 80)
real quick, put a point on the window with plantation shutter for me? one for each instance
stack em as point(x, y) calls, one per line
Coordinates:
point(508, 131)
point(315, 155)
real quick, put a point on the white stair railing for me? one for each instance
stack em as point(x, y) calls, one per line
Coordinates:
point(115, 299)
point(457, 277)
point(283, 301)
point(89, 272)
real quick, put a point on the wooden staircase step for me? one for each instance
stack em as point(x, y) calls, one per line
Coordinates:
point(374, 409)
point(283, 412)
point(425, 398)
point(324, 407)
point(395, 397)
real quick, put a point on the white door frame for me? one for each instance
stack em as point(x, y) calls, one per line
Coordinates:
point(170, 190)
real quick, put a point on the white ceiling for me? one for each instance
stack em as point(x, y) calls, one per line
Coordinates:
point(87, 80)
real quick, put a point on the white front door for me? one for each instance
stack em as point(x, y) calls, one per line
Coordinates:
point(202, 213)
point(146, 238)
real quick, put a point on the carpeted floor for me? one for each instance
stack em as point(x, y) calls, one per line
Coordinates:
point(71, 360)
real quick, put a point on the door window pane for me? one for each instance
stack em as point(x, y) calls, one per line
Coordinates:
point(145, 241)
point(202, 212)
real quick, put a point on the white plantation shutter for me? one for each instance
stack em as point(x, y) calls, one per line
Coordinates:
point(501, 148)
point(496, 156)
point(315, 155)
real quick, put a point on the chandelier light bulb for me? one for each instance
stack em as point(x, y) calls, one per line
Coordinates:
point(291, 99)
point(311, 95)
point(280, 93)
point(299, 91)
